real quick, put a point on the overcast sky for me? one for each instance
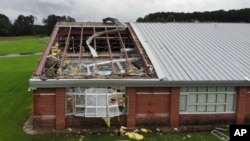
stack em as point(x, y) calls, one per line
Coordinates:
point(124, 10)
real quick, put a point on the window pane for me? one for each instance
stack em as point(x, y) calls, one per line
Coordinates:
point(201, 108)
point(79, 90)
point(113, 111)
point(202, 98)
point(211, 98)
point(80, 110)
point(192, 89)
point(90, 90)
point(184, 89)
point(222, 89)
point(202, 89)
point(80, 100)
point(90, 112)
point(91, 100)
point(192, 98)
point(192, 108)
point(211, 108)
point(221, 98)
point(101, 112)
point(101, 100)
point(230, 89)
point(220, 108)
point(100, 90)
point(212, 89)
point(183, 102)
point(230, 102)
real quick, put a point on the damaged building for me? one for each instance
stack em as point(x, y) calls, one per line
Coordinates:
point(134, 74)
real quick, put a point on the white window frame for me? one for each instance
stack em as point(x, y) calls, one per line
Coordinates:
point(111, 108)
point(187, 92)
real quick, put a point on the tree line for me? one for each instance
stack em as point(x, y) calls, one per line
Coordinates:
point(24, 25)
point(241, 15)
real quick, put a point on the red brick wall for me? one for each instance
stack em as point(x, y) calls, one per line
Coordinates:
point(44, 105)
point(82, 122)
point(174, 107)
point(152, 103)
point(44, 108)
point(44, 102)
point(206, 119)
point(49, 108)
point(150, 106)
point(131, 117)
point(248, 105)
point(241, 105)
point(60, 108)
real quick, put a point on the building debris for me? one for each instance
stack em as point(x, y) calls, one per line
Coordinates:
point(218, 132)
point(94, 50)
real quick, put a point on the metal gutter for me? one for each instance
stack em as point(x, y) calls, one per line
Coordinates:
point(56, 83)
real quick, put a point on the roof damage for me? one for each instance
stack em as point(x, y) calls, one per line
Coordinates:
point(88, 50)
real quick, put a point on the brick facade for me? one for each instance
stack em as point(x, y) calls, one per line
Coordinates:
point(146, 106)
point(248, 105)
point(82, 122)
point(60, 108)
point(174, 107)
point(206, 119)
point(241, 105)
point(44, 108)
point(131, 117)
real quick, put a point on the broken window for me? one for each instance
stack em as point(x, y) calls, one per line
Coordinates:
point(96, 102)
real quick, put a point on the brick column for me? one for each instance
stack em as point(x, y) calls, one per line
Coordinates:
point(241, 104)
point(60, 108)
point(174, 107)
point(131, 117)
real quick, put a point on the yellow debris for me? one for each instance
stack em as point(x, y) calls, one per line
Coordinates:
point(134, 136)
point(55, 51)
point(70, 130)
point(107, 121)
point(144, 130)
point(122, 131)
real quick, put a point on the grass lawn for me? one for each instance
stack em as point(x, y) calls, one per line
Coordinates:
point(10, 45)
point(16, 103)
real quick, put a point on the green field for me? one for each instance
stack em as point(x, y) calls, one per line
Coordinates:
point(14, 45)
point(16, 101)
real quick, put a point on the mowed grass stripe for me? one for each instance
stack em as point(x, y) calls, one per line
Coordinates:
point(15, 99)
point(22, 45)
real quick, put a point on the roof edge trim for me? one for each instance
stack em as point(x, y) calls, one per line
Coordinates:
point(54, 83)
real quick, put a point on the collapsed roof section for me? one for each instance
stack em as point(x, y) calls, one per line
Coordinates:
point(89, 50)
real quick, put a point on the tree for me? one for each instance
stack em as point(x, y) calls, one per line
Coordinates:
point(242, 15)
point(51, 20)
point(23, 25)
point(5, 25)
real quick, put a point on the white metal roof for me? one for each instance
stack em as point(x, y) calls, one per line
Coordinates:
point(197, 51)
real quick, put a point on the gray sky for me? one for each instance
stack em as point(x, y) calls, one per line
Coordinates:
point(124, 10)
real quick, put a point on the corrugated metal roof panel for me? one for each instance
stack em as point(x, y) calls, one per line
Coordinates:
point(197, 51)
